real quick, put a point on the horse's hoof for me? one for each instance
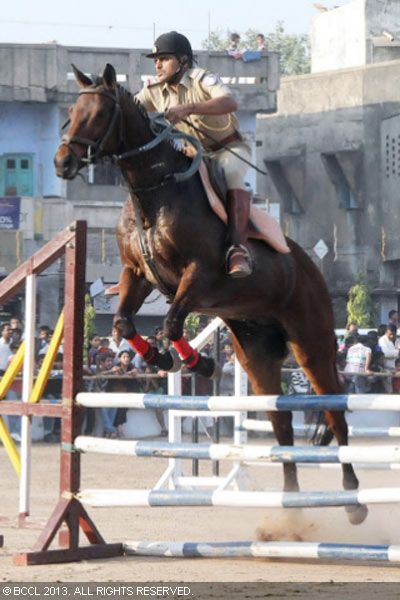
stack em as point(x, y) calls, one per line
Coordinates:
point(176, 362)
point(166, 361)
point(217, 371)
point(357, 514)
point(125, 327)
point(205, 366)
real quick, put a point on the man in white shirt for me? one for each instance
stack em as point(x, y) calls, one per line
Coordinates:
point(358, 361)
point(118, 343)
point(5, 351)
point(387, 344)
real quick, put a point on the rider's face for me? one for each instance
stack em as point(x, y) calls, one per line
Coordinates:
point(166, 67)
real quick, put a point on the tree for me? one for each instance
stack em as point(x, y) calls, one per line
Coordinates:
point(192, 324)
point(294, 49)
point(360, 306)
point(89, 326)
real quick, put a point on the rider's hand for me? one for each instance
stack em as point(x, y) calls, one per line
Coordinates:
point(177, 113)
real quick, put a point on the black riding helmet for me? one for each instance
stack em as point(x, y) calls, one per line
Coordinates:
point(172, 43)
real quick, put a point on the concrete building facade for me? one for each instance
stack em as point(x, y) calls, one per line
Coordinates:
point(332, 152)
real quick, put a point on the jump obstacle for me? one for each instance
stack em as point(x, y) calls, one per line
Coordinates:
point(70, 512)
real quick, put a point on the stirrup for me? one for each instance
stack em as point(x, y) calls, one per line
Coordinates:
point(242, 252)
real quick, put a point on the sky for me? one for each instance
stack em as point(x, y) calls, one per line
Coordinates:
point(133, 24)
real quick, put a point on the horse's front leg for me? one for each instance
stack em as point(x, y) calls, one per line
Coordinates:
point(191, 288)
point(133, 290)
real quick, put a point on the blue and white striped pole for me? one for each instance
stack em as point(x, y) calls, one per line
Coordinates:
point(245, 403)
point(282, 454)
point(164, 497)
point(302, 550)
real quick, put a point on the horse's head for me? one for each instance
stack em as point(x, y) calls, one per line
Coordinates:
point(95, 124)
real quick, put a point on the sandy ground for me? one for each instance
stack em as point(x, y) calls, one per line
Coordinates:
point(193, 524)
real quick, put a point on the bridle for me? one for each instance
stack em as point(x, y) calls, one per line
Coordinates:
point(96, 147)
point(161, 128)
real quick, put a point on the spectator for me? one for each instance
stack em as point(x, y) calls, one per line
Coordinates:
point(227, 352)
point(234, 46)
point(118, 343)
point(43, 342)
point(15, 323)
point(17, 329)
point(261, 43)
point(387, 344)
point(95, 343)
point(373, 341)
point(377, 366)
point(124, 369)
point(124, 366)
point(351, 329)
point(381, 330)
point(298, 383)
point(227, 383)
point(5, 350)
point(358, 362)
point(159, 336)
point(104, 363)
point(14, 393)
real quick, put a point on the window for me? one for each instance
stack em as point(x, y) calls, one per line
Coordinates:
point(16, 175)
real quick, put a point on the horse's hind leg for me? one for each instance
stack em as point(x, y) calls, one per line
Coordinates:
point(317, 357)
point(261, 350)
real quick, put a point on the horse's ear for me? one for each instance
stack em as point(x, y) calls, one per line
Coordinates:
point(109, 77)
point(82, 79)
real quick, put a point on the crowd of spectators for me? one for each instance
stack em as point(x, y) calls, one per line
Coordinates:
point(366, 363)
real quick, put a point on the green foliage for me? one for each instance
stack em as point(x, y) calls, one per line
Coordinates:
point(359, 306)
point(89, 326)
point(192, 324)
point(294, 49)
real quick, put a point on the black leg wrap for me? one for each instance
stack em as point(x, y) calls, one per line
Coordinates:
point(164, 361)
point(205, 366)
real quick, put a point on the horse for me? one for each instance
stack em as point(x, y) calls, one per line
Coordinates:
point(170, 239)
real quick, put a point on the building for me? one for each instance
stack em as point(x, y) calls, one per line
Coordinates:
point(332, 151)
point(36, 88)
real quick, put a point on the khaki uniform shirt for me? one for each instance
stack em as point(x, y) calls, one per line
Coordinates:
point(196, 85)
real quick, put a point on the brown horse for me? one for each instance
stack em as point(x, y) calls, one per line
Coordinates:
point(169, 238)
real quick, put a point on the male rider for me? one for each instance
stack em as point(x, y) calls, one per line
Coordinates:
point(200, 97)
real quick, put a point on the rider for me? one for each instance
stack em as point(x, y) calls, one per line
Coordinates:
point(198, 96)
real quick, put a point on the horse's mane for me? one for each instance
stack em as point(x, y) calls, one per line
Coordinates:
point(131, 98)
point(124, 93)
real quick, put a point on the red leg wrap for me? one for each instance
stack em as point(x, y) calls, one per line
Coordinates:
point(189, 355)
point(139, 344)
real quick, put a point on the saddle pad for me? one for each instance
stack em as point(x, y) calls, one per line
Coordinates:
point(261, 226)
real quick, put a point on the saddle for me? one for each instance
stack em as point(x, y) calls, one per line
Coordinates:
point(261, 225)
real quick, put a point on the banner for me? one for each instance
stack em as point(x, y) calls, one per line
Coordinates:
point(9, 212)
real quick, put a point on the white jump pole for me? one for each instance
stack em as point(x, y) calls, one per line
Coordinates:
point(27, 384)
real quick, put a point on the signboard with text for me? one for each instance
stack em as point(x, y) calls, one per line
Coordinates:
point(10, 208)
